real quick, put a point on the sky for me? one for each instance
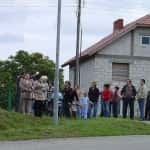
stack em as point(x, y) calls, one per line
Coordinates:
point(31, 24)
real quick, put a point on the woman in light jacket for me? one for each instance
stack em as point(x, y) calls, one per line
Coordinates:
point(40, 93)
point(26, 87)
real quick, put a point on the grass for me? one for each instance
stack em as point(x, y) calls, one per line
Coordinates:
point(15, 126)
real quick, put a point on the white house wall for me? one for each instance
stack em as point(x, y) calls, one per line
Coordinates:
point(140, 69)
point(103, 71)
point(71, 75)
point(87, 73)
point(120, 47)
point(139, 49)
point(127, 49)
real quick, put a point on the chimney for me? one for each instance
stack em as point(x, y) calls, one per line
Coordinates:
point(118, 25)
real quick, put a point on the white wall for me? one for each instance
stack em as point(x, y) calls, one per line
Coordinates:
point(100, 68)
point(121, 46)
point(140, 50)
point(86, 74)
point(140, 69)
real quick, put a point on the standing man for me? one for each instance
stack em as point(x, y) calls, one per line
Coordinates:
point(93, 95)
point(128, 94)
point(141, 97)
point(70, 96)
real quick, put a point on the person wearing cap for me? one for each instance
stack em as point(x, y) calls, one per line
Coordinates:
point(93, 95)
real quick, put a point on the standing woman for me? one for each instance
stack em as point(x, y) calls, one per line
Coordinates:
point(115, 101)
point(45, 89)
point(79, 94)
point(40, 94)
point(26, 94)
point(70, 96)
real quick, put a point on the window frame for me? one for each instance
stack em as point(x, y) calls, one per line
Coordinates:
point(141, 40)
point(118, 78)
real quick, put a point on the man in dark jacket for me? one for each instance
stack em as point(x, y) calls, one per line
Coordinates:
point(93, 95)
point(128, 95)
point(147, 108)
point(69, 96)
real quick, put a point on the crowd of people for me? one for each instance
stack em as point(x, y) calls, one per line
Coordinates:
point(110, 100)
point(36, 97)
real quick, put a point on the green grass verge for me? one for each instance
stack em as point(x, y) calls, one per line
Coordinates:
point(15, 126)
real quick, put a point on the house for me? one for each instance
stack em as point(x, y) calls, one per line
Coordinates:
point(123, 54)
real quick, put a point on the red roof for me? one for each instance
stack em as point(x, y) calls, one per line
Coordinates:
point(142, 22)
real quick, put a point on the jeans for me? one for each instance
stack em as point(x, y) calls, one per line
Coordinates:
point(110, 108)
point(93, 107)
point(78, 111)
point(141, 107)
point(84, 111)
point(106, 108)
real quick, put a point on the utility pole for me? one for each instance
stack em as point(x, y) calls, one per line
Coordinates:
point(77, 68)
point(81, 37)
point(56, 81)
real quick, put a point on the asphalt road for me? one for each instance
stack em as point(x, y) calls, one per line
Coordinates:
point(99, 143)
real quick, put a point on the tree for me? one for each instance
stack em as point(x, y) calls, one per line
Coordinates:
point(23, 62)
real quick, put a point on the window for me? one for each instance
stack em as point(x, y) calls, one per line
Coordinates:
point(145, 40)
point(120, 71)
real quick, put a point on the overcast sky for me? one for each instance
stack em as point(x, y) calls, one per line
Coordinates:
point(31, 24)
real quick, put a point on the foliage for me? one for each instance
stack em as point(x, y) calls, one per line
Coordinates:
point(23, 62)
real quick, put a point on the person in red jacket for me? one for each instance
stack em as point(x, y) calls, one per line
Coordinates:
point(106, 98)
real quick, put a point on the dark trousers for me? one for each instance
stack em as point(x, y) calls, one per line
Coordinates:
point(66, 110)
point(128, 102)
point(115, 109)
point(110, 108)
point(38, 108)
point(147, 112)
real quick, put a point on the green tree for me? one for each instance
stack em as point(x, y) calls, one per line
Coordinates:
point(20, 63)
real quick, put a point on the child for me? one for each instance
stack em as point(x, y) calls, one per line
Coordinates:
point(115, 101)
point(106, 98)
point(147, 109)
point(84, 101)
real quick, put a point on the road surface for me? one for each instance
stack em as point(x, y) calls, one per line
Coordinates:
point(99, 143)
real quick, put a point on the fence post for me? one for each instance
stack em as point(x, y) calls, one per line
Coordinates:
point(9, 99)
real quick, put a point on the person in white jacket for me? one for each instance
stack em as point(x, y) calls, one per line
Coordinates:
point(141, 97)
